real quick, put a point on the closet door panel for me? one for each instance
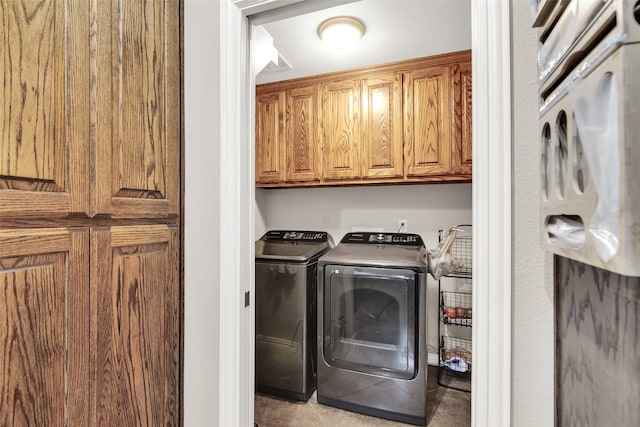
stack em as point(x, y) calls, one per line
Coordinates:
point(137, 116)
point(135, 315)
point(44, 328)
point(44, 91)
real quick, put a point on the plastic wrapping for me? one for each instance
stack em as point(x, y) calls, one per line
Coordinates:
point(566, 231)
point(573, 21)
point(595, 104)
point(440, 261)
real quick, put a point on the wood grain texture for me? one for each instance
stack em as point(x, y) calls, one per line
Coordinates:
point(382, 127)
point(270, 110)
point(597, 346)
point(45, 99)
point(303, 150)
point(400, 123)
point(135, 322)
point(461, 146)
point(427, 122)
point(341, 130)
point(44, 331)
point(136, 88)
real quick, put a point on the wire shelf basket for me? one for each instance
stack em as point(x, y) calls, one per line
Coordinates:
point(455, 363)
point(455, 308)
point(462, 249)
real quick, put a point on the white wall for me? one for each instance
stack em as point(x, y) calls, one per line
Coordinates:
point(337, 210)
point(532, 289)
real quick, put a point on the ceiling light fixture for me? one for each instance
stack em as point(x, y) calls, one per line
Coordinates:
point(341, 33)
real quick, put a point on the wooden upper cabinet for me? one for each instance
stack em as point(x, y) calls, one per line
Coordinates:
point(270, 109)
point(427, 122)
point(302, 148)
point(44, 332)
point(341, 137)
point(461, 131)
point(404, 122)
point(44, 125)
point(135, 325)
point(137, 108)
point(382, 129)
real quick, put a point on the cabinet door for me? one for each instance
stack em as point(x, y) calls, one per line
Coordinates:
point(302, 139)
point(270, 136)
point(44, 91)
point(137, 108)
point(382, 130)
point(427, 122)
point(462, 140)
point(44, 328)
point(341, 138)
point(135, 297)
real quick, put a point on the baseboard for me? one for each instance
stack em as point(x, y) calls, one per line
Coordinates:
point(433, 359)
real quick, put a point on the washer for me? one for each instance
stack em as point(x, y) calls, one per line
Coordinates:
point(372, 354)
point(286, 283)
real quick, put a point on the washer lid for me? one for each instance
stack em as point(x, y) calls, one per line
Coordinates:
point(292, 246)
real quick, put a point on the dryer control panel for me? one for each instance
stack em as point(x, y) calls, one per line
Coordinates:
point(383, 238)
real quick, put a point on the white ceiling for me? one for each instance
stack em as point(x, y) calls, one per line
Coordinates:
point(396, 30)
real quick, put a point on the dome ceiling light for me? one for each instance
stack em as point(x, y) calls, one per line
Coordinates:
point(341, 33)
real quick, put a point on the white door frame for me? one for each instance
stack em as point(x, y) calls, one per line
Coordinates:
point(491, 386)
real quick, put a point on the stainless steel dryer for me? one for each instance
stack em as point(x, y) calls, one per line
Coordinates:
point(372, 355)
point(285, 266)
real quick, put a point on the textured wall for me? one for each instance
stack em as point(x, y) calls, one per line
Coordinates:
point(202, 225)
point(532, 287)
point(598, 346)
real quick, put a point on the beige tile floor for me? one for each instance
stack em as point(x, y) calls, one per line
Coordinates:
point(445, 408)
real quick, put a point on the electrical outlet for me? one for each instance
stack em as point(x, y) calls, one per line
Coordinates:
point(402, 226)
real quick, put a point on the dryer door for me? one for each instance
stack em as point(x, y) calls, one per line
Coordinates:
point(369, 320)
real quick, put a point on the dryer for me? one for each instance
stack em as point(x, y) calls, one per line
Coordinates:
point(372, 355)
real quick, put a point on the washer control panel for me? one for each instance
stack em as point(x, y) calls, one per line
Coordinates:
point(383, 238)
point(296, 236)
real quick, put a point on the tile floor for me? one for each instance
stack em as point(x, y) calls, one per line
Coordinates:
point(445, 408)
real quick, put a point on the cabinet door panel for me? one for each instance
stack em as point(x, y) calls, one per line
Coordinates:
point(341, 138)
point(462, 138)
point(382, 130)
point(427, 126)
point(303, 143)
point(270, 137)
point(137, 113)
point(44, 92)
point(135, 325)
point(44, 331)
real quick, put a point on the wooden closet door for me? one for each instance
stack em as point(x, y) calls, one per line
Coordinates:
point(44, 327)
point(137, 108)
point(44, 91)
point(461, 155)
point(341, 127)
point(427, 122)
point(135, 325)
point(303, 139)
point(382, 130)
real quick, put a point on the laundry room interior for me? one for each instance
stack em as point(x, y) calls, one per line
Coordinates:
point(428, 205)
